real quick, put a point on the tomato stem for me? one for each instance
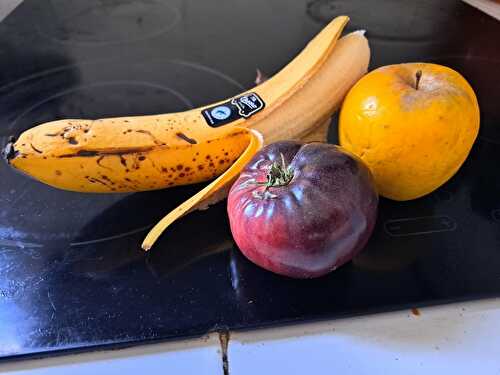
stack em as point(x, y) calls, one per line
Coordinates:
point(279, 175)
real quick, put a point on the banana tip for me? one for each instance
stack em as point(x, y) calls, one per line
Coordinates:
point(9, 152)
point(146, 246)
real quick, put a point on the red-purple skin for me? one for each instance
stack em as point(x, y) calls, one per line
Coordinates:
point(313, 225)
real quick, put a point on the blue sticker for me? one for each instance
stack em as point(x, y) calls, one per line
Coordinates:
point(221, 112)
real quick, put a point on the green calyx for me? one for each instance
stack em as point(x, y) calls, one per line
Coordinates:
point(279, 174)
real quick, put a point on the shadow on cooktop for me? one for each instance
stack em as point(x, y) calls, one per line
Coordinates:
point(112, 240)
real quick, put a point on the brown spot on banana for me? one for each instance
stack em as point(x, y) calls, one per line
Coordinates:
point(147, 132)
point(111, 151)
point(99, 160)
point(184, 137)
point(36, 149)
point(123, 161)
point(94, 180)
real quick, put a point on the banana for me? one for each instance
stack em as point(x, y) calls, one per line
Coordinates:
point(140, 153)
point(128, 154)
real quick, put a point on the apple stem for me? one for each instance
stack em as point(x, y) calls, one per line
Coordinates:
point(418, 75)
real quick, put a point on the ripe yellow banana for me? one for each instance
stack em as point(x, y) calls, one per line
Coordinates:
point(152, 152)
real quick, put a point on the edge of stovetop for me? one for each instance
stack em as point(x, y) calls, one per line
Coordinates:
point(118, 345)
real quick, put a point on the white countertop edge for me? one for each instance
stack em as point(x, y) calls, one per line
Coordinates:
point(444, 311)
point(147, 352)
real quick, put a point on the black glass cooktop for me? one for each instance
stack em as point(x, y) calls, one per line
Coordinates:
point(72, 275)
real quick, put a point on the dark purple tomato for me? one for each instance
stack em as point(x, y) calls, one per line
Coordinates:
point(302, 210)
